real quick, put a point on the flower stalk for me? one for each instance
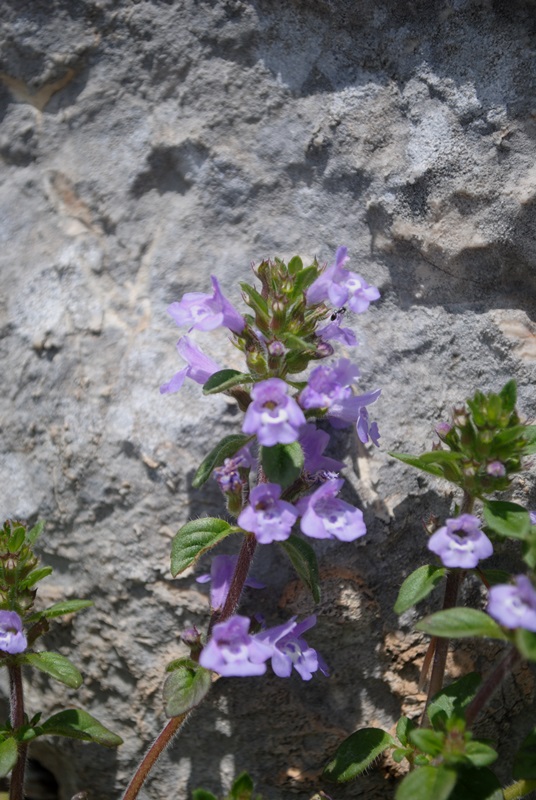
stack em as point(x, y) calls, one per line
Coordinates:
point(16, 787)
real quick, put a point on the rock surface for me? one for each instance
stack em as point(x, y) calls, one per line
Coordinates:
point(146, 145)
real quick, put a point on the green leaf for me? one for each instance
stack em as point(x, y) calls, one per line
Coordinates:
point(185, 687)
point(417, 586)
point(35, 576)
point(428, 741)
point(304, 279)
point(461, 623)
point(453, 699)
point(202, 794)
point(526, 643)
point(508, 395)
point(356, 753)
point(66, 607)
point(427, 783)
point(495, 576)
point(8, 756)
point(257, 302)
point(77, 724)
point(194, 539)
point(480, 754)
point(530, 437)
point(304, 561)
point(33, 535)
point(525, 761)
point(507, 519)
point(16, 540)
point(226, 448)
point(415, 461)
point(296, 343)
point(225, 379)
point(477, 784)
point(295, 265)
point(242, 788)
point(55, 665)
point(404, 727)
point(282, 463)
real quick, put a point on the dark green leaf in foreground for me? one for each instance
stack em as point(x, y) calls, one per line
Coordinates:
point(35, 576)
point(508, 395)
point(417, 586)
point(8, 756)
point(226, 448)
point(66, 607)
point(194, 539)
point(525, 761)
point(304, 561)
point(295, 265)
point(282, 463)
point(242, 788)
point(356, 753)
point(202, 794)
point(77, 724)
point(185, 687)
point(480, 754)
point(507, 519)
point(55, 665)
point(529, 435)
point(477, 784)
point(461, 623)
point(225, 379)
point(453, 699)
point(427, 783)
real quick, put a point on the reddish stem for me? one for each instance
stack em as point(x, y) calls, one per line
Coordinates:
point(16, 786)
point(152, 755)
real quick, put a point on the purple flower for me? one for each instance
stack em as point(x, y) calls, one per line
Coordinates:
point(327, 385)
point(233, 652)
point(342, 286)
point(532, 515)
point(268, 517)
point(325, 516)
point(496, 469)
point(12, 638)
point(352, 408)
point(221, 573)
point(290, 650)
point(228, 475)
point(334, 331)
point(313, 442)
point(207, 311)
point(273, 415)
point(200, 367)
point(514, 606)
point(461, 542)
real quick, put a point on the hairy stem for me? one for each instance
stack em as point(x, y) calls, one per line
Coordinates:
point(454, 581)
point(16, 786)
point(518, 789)
point(153, 754)
point(491, 684)
point(245, 557)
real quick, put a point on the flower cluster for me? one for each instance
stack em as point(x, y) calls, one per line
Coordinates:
point(234, 652)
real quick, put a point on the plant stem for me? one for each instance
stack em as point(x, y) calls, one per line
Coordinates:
point(518, 789)
point(490, 685)
point(454, 581)
point(16, 786)
point(245, 557)
point(153, 754)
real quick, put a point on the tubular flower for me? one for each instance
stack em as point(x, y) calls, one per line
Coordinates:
point(461, 542)
point(232, 651)
point(199, 366)
point(514, 606)
point(12, 638)
point(221, 574)
point(207, 311)
point(274, 416)
point(268, 517)
point(325, 516)
point(290, 650)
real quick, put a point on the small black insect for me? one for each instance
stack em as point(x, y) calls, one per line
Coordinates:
point(339, 313)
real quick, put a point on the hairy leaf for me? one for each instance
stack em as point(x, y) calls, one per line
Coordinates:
point(77, 724)
point(185, 687)
point(417, 586)
point(507, 519)
point(226, 448)
point(304, 561)
point(225, 379)
point(8, 756)
point(461, 623)
point(282, 463)
point(356, 753)
point(66, 607)
point(194, 539)
point(55, 665)
point(427, 783)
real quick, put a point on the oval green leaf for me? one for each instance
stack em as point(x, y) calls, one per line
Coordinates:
point(356, 753)
point(282, 463)
point(55, 665)
point(225, 379)
point(415, 461)
point(507, 519)
point(525, 761)
point(194, 539)
point(480, 754)
point(427, 783)
point(453, 699)
point(461, 623)
point(77, 724)
point(226, 448)
point(304, 561)
point(185, 687)
point(8, 756)
point(526, 643)
point(417, 586)
point(66, 607)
